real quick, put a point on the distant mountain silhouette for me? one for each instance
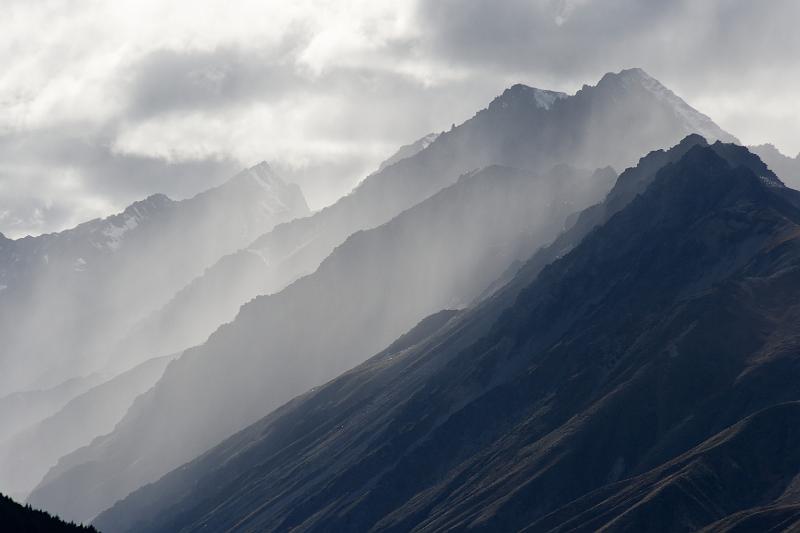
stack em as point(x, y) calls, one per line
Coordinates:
point(67, 297)
point(640, 373)
point(22, 409)
point(787, 168)
point(27, 456)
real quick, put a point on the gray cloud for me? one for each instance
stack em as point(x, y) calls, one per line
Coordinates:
point(53, 179)
point(174, 98)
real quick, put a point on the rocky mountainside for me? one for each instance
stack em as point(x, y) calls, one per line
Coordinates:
point(612, 124)
point(644, 377)
point(378, 283)
point(67, 297)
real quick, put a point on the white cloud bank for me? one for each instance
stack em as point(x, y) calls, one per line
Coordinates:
point(102, 103)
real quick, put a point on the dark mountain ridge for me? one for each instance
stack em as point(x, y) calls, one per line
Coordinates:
point(642, 349)
point(18, 518)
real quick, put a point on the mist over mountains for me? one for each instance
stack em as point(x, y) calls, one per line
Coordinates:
point(571, 312)
point(67, 297)
point(524, 128)
point(540, 406)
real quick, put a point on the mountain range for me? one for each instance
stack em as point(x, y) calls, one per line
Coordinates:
point(28, 454)
point(322, 324)
point(639, 373)
point(67, 297)
point(612, 124)
point(363, 296)
point(494, 331)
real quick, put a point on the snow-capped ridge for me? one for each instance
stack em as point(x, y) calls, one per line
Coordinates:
point(409, 150)
point(636, 79)
point(520, 94)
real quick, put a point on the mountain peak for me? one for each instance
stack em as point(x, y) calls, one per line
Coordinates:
point(631, 78)
point(263, 174)
point(150, 203)
point(709, 176)
point(637, 83)
point(262, 167)
point(691, 140)
point(520, 94)
point(635, 73)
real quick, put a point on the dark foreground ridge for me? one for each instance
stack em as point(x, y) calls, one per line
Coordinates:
point(18, 518)
point(647, 379)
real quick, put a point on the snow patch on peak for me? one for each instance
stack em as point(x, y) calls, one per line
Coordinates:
point(636, 79)
point(523, 94)
point(409, 150)
point(114, 232)
point(114, 228)
point(771, 181)
point(274, 195)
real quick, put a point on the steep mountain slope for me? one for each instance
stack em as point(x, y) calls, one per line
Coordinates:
point(27, 456)
point(611, 124)
point(743, 466)
point(663, 346)
point(787, 168)
point(440, 253)
point(21, 519)
point(68, 295)
point(409, 150)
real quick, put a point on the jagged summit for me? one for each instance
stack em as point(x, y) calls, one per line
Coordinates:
point(519, 94)
point(636, 81)
point(154, 201)
point(261, 174)
point(628, 75)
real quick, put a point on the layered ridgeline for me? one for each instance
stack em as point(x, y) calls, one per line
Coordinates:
point(787, 168)
point(525, 126)
point(647, 377)
point(613, 123)
point(66, 297)
point(27, 456)
point(19, 410)
point(441, 253)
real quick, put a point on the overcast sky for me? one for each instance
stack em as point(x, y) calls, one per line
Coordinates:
point(102, 103)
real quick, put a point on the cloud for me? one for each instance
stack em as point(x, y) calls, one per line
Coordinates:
point(118, 100)
point(734, 59)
